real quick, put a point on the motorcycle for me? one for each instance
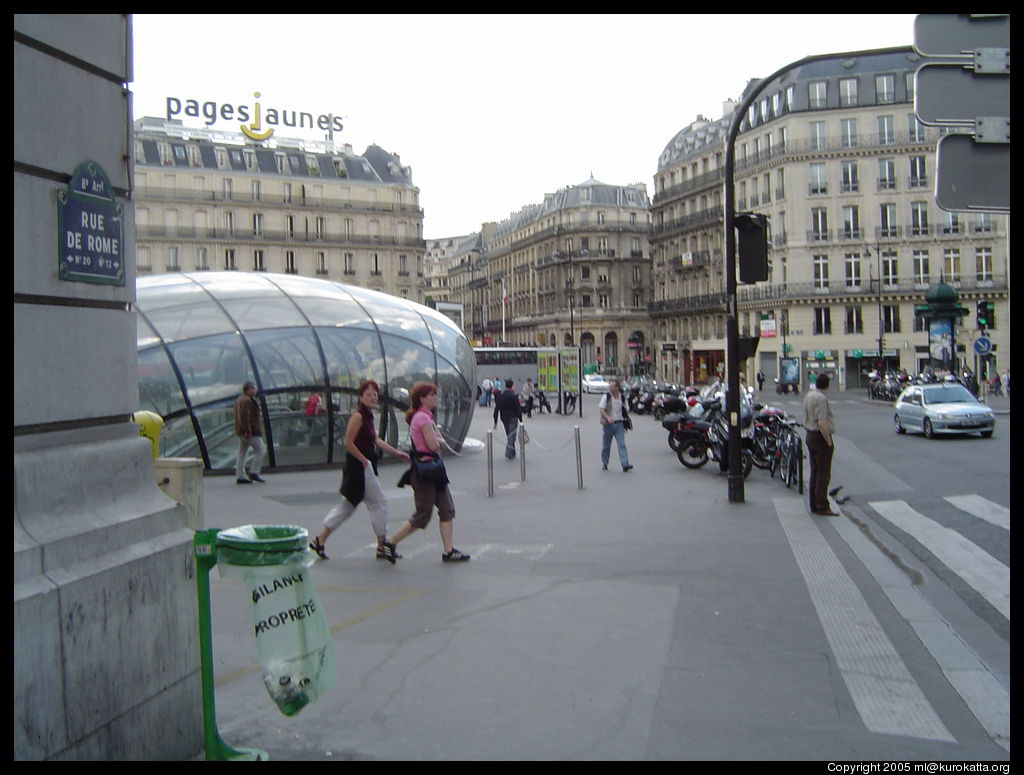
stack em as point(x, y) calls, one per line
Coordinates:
point(708, 439)
point(680, 424)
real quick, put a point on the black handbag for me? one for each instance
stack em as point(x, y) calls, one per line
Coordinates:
point(428, 465)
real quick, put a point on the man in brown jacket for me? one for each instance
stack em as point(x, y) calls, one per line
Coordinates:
point(249, 429)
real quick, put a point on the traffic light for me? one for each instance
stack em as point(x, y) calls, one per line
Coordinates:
point(752, 246)
point(983, 315)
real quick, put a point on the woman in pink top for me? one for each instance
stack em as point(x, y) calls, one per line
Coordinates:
point(426, 440)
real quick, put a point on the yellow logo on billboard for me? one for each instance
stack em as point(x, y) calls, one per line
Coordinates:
point(253, 131)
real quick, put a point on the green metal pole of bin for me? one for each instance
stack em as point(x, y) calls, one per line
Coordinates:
point(205, 544)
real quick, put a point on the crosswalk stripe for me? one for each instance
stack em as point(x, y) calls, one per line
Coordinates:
point(985, 574)
point(884, 692)
point(982, 508)
point(987, 698)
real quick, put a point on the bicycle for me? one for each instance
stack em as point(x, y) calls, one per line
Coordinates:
point(788, 453)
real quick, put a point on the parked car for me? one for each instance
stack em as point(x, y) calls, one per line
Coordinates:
point(595, 383)
point(942, 408)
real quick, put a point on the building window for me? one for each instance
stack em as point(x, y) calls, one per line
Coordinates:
point(910, 86)
point(885, 89)
point(202, 262)
point(822, 320)
point(848, 132)
point(229, 223)
point(817, 95)
point(289, 262)
point(951, 263)
point(890, 268)
point(171, 259)
point(919, 219)
point(851, 222)
point(847, 92)
point(819, 179)
point(886, 130)
point(289, 225)
point(818, 139)
point(602, 300)
point(915, 129)
point(257, 223)
point(891, 319)
point(983, 222)
point(258, 263)
point(852, 264)
point(851, 181)
point(918, 172)
point(376, 265)
point(983, 263)
point(819, 224)
point(854, 321)
point(229, 259)
point(321, 227)
point(403, 267)
point(287, 192)
point(321, 262)
point(887, 220)
point(820, 264)
point(256, 190)
point(886, 175)
point(922, 274)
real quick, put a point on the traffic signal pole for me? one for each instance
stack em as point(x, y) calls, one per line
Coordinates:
point(732, 361)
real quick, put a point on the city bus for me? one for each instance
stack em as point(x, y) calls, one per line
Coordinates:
point(553, 370)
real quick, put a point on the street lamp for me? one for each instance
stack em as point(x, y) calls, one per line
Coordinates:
point(881, 322)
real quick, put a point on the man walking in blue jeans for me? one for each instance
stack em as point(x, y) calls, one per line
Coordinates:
point(507, 407)
point(614, 419)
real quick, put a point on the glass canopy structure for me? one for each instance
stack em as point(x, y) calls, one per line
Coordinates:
point(202, 335)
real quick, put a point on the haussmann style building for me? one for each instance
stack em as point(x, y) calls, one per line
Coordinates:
point(207, 199)
point(833, 154)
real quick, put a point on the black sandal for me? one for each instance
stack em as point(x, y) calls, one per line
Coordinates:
point(319, 548)
point(385, 554)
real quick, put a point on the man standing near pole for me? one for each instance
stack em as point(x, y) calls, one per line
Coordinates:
point(820, 425)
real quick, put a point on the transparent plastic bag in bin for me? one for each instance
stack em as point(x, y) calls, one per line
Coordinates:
point(292, 636)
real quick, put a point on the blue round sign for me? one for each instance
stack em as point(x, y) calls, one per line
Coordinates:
point(982, 345)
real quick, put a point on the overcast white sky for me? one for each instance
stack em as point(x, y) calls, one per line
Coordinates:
point(490, 111)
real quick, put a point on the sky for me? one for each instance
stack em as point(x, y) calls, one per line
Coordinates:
point(491, 112)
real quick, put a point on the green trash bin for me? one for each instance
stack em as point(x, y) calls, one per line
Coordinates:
point(292, 636)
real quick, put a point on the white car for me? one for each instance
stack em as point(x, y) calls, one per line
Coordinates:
point(942, 408)
point(595, 383)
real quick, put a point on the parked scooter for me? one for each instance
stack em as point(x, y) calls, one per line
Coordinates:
point(708, 439)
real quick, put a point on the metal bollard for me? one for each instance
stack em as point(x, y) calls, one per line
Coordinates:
point(522, 453)
point(579, 459)
point(490, 464)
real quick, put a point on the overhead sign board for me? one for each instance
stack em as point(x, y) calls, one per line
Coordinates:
point(972, 176)
point(959, 34)
point(951, 94)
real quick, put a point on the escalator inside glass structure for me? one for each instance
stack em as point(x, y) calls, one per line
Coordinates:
point(201, 336)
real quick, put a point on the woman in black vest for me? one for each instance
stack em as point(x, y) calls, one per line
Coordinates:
point(359, 480)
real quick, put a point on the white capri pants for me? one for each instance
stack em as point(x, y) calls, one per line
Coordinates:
point(376, 503)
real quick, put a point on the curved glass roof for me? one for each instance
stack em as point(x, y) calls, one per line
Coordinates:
point(202, 335)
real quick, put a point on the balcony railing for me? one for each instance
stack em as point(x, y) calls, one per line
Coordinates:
point(276, 237)
point(271, 200)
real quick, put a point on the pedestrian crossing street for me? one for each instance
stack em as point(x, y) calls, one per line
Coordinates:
point(883, 690)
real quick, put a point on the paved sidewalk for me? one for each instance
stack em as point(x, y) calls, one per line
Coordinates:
point(642, 617)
